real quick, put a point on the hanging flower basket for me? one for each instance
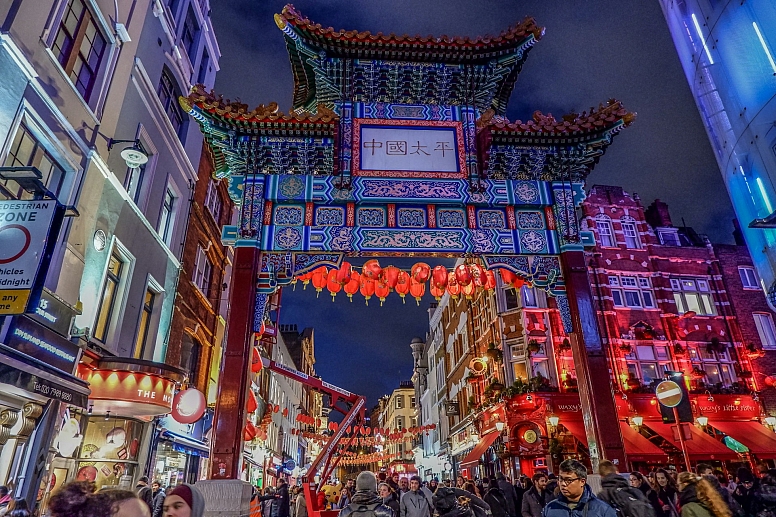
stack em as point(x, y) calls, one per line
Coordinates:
point(496, 387)
point(697, 373)
point(679, 350)
point(753, 351)
point(533, 346)
point(626, 348)
point(715, 345)
point(565, 346)
point(493, 353)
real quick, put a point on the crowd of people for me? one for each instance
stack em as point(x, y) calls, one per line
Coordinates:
point(661, 493)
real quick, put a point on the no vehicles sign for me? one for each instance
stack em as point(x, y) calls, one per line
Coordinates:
point(24, 230)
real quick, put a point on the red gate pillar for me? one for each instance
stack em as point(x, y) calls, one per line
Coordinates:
point(596, 392)
point(229, 419)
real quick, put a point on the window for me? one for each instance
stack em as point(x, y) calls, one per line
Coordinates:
point(669, 237)
point(630, 233)
point(605, 232)
point(168, 96)
point(399, 422)
point(79, 46)
point(632, 299)
point(748, 277)
point(617, 298)
point(412, 402)
point(692, 294)
point(638, 292)
point(108, 299)
point(203, 272)
point(628, 281)
point(530, 298)
point(213, 201)
point(765, 328)
point(512, 302)
point(190, 33)
point(614, 280)
point(134, 181)
point(165, 220)
point(145, 321)
point(26, 151)
point(204, 65)
point(399, 401)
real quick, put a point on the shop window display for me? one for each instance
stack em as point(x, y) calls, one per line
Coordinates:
point(108, 455)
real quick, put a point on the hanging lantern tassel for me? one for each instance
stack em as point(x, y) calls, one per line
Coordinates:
point(417, 290)
point(332, 284)
point(367, 288)
point(403, 285)
point(381, 291)
point(507, 276)
point(320, 279)
point(353, 285)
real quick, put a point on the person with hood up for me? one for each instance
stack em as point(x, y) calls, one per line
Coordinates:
point(414, 503)
point(698, 498)
point(495, 498)
point(576, 499)
point(626, 500)
point(457, 502)
point(365, 501)
point(184, 501)
point(509, 494)
point(765, 495)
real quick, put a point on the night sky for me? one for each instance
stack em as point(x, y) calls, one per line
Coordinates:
point(591, 51)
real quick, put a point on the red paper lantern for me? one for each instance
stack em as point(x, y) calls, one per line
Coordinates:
point(507, 276)
point(439, 277)
point(256, 364)
point(478, 275)
point(463, 275)
point(436, 292)
point(381, 291)
point(372, 269)
point(452, 286)
point(249, 431)
point(261, 330)
point(367, 288)
point(305, 278)
point(285, 412)
point(252, 404)
point(391, 276)
point(344, 273)
point(490, 283)
point(420, 272)
point(469, 290)
point(403, 284)
point(332, 284)
point(320, 278)
point(417, 290)
point(188, 406)
point(353, 286)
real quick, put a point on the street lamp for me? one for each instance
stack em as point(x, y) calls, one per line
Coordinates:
point(133, 156)
point(500, 426)
point(554, 420)
point(637, 420)
point(703, 421)
point(771, 421)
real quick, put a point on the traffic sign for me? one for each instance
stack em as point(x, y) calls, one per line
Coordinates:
point(24, 231)
point(669, 393)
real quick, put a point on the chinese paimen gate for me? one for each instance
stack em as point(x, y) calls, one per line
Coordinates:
point(398, 145)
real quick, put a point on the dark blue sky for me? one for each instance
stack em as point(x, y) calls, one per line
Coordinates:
point(592, 50)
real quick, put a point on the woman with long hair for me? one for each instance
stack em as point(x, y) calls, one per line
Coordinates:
point(639, 482)
point(699, 498)
point(667, 497)
point(472, 489)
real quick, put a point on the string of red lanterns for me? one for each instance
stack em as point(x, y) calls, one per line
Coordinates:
point(374, 280)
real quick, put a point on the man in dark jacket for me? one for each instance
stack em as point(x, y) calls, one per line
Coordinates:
point(144, 493)
point(495, 498)
point(282, 496)
point(617, 493)
point(509, 494)
point(536, 497)
point(576, 499)
point(365, 502)
point(159, 495)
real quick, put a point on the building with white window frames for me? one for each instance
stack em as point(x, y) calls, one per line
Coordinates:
point(84, 82)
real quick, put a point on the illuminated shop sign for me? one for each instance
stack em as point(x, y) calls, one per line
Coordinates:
point(129, 393)
point(35, 340)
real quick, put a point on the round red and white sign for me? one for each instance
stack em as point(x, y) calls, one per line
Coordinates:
point(669, 393)
point(14, 242)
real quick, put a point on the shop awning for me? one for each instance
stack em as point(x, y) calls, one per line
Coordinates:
point(757, 438)
point(637, 447)
point(474, 456)
point(702, 446)
point(186, 444)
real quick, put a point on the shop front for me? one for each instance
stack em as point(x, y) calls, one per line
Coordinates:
point(37, 387)
point(462, 442)
point(490, 454)
point(181, 451)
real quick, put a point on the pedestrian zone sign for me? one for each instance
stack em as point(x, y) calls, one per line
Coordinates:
point(24, 230)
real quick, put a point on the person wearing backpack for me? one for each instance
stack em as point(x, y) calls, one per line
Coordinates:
point(365, 502)
point(626, 500)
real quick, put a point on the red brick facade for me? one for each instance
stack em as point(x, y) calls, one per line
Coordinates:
point(194, 332)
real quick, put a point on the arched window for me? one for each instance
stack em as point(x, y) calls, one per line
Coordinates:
point(603, 226)
point(630, 232)
point(169, 91)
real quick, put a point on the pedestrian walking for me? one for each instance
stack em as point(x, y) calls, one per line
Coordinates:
point(765, 496)
point(18, 508)
point(472, 489)
point(744, 492)
point(158, 495)
point(495, 498)
point(78, 498)
point(414, 503)
point(389, 498)
point(366, 502)
point(667, 495)
point(184, 501)
point(521, 488)
point(576, 499)
point(509, 494)
point(617, 493)
point(300, 505)
point(284, 504)
point(537, 497)
point(698, 498)
point(145, 493)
